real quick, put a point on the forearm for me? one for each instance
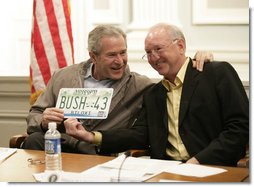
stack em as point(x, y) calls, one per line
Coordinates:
point(120, 140)
point(34, 122)
point(192, 160)
point(35, 116)
point(91, 137)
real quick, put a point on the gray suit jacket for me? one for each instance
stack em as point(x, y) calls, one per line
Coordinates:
point(126, 102)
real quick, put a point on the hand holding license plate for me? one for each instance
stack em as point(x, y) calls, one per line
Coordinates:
point(89, 103)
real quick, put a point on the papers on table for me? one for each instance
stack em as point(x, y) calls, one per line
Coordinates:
point(6, 152)
point(194, 170)
point(139, 165)
point(133, 170)
point(61, 176)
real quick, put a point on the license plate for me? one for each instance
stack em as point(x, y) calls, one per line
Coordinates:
point(85, 103)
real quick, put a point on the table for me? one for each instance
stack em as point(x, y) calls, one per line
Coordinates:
point(16, 168)
point(232, 175)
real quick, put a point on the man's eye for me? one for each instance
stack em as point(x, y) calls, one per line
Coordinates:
point(112, 55)
point(123, 53)
point(157, 49)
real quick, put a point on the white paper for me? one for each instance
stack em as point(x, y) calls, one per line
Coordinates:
point(149, 166)
point(95, 174)
point(113, 175)
point(194, 170)
point(132, 170)
point(70, 177)
point(6, 152)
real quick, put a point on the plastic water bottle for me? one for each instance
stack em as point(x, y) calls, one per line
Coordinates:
point(53, 160)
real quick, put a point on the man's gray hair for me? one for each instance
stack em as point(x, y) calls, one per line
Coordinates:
point(95, 36)
point(173, 31)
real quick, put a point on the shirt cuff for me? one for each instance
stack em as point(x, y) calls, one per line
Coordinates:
point(97, 138)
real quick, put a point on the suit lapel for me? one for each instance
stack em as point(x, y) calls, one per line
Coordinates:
point(189, 85)
point(161, 104)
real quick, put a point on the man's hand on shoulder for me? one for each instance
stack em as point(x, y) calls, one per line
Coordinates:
point(200, 58)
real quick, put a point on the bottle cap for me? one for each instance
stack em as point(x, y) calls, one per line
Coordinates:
point(52, 125)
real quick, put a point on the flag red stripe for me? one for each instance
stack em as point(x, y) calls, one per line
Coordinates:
point(53, 27)
point(40, 53)
point(51, 42)
point(68, 24)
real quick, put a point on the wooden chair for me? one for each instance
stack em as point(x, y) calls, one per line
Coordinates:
point(244, 162)
point(17, 140)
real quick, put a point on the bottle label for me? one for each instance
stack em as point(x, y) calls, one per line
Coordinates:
point(52, 146)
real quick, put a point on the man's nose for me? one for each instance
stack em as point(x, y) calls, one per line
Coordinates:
point(119, 58)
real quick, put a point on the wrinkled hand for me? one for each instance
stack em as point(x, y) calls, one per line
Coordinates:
point(202, 57)
point(52, 115)
point(192, 160)
point(75, 129)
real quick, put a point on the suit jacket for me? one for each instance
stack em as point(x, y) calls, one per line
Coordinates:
point(213, 118)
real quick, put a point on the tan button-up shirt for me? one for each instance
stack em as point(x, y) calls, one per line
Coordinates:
point(176, 148)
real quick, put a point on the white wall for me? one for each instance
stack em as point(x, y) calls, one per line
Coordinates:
point(15, 20)
point(228, 41)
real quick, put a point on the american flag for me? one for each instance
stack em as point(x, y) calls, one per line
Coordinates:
point(51, 42)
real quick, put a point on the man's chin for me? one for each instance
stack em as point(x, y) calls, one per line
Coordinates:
point(161, 73)
point(117, 76)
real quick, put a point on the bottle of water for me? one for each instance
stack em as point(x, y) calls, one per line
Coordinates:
point(53, 160)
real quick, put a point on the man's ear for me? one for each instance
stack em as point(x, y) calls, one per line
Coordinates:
point(181, 46)
point(92, 56)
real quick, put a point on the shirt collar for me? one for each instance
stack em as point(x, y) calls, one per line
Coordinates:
point(181, 73)
point(89, 71)
point(179, 77)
